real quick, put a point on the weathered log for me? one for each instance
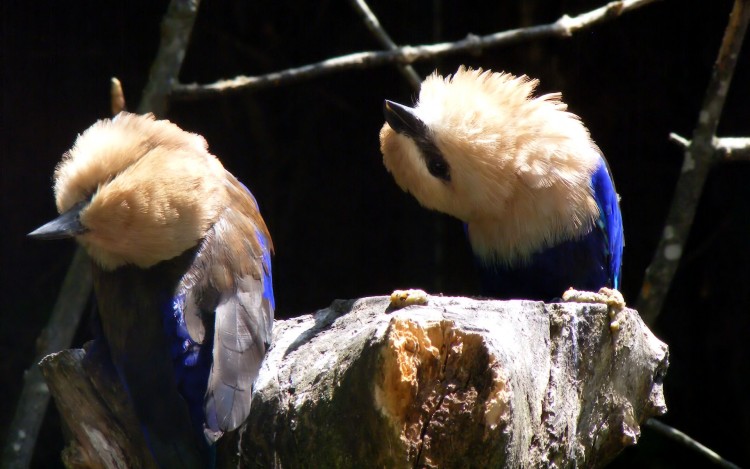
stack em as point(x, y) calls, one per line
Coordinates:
point(98, 419)
point(457, 382)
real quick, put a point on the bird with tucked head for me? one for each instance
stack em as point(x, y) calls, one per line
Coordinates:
point(533, 190)
point(182, 276)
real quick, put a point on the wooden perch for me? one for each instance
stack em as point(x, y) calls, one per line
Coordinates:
point(98, 418)
point(457, 382)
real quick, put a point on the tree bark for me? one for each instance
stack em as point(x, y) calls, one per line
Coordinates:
point(98, 420)
point(457, 382)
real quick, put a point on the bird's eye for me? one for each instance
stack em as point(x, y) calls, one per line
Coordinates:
point(433, 157)
point(439, 168)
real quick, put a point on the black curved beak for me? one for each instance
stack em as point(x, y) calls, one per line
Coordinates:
point(66, 225)
point(402, 119)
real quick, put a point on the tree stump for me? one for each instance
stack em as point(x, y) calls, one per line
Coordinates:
point(456, 382)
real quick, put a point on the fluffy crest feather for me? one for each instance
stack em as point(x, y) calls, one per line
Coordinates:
point(153, 189)
point(111, 145)
point(520, 165)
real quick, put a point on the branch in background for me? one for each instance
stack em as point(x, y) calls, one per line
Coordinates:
point(725, 148)
point(57, 335)
point(699, 157)
point(76, 288)
point(116, 97)
point(175, 35)
point(682, 438)
point(734, 148)
point(373, 24)
point(563, 27)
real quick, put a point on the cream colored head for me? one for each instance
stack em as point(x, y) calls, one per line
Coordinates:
point(518, 167)
point(150, 190)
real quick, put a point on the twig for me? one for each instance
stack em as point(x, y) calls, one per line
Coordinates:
point(175, 35)
point(699, 157)
point(734, 148)
point(680, 437)
point(727, 148)
point(373, 24)
point(563, 27)
point(680, 140)
point(116, 97)
point(76, 288)
point(57, 335)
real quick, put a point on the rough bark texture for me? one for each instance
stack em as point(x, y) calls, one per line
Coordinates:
point(99, 421)
point(454, 383)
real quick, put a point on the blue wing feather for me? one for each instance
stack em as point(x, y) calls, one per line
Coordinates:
point(610, 220)
point(267, 274)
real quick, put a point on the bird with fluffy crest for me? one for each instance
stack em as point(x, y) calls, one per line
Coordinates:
point(181, 262)
point(533, 190)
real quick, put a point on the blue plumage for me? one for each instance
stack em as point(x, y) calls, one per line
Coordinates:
point(587, 263)
point(535, 194)
point(609, 223)
point(267, 274)
point(191, 360)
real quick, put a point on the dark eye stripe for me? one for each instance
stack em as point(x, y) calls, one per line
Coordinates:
point(434, 159)
point(431, 154)
point(404, 120)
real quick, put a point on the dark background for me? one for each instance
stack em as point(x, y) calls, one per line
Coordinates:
point(341, 226)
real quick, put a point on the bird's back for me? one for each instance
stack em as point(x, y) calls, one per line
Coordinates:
point(586, 263)
point(222, 315)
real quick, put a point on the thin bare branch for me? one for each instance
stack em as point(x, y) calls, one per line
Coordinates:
point(57, 335)
point(727, 148)
point(116, 97)
point(680, 140)
point(699, 157)
point(734, 148)
point(563, 27)
point(373, 24)
point(175, 36)
point(680, 437)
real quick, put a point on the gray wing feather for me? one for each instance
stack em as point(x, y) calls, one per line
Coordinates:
point(239, 292)
point(241, 336)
